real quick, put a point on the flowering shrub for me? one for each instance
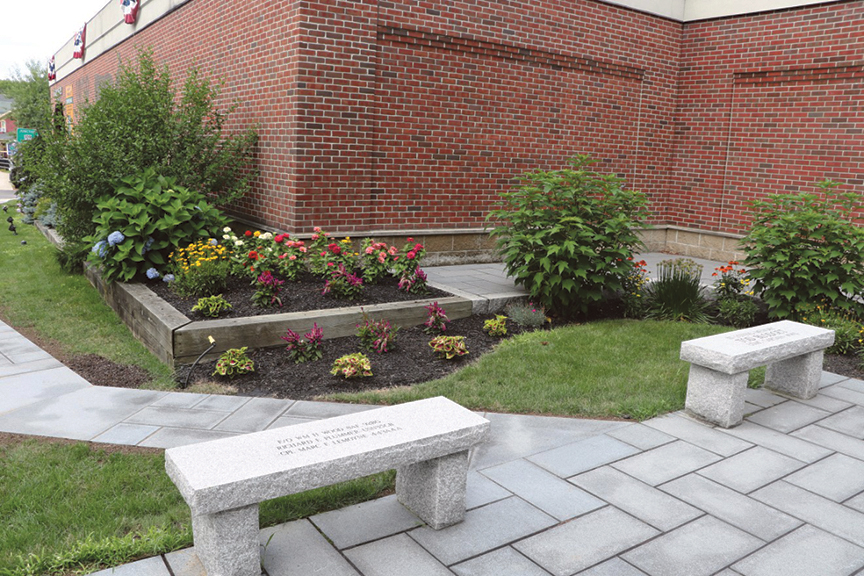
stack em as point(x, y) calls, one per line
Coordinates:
point(267, 293)
point(291, 256)
point(376, 335)
point(633, 290)
point(199, 269)
point(352, 366)
point(567, 235)
point(731, 282)
point(414, 282)
point(526, 314)
point(300, 350)
point(407, 261)
point(212, 306)
point(436, 323)
point(375, 260)
point(805, 248)
point(449, 347)
point(146, 218)
point(496, 326)
point(343, 284)
point(234, 362)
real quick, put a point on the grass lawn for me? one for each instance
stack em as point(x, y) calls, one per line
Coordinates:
point(614, 368)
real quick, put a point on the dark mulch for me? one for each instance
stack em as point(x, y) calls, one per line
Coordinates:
point(100, 371)
point(297, 296)
point(846, 365)
point(410, 362)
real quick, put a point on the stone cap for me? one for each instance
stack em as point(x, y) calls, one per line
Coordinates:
point(742, 350)
point(242, 470)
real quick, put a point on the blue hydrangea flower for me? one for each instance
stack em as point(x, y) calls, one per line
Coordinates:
point(115, 238)
point(100, 249)
point(168, 278)
point(213, 242)
point(147, 245)
point(152, 273)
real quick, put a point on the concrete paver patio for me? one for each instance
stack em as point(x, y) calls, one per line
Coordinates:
point(783, 493)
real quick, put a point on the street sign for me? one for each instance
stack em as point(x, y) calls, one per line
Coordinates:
point(25, 134)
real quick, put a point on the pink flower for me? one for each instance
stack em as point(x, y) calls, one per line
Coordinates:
point(410, 255)
point(392, 251)
point(292, 257)
point(370, 250)
point(418, 247)
point(314, 236)
point(382, 256)
point(278, 238)
point(303, 249)
point(410, 239)
point(323, 254)
point(317, 229)
point(330, 264)
point(282, 256)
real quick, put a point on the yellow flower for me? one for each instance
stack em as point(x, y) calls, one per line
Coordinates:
point(257, 233)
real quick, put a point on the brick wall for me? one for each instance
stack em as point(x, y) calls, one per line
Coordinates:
point(413, 115)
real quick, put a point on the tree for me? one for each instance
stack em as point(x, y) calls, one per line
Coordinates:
point(29, 89)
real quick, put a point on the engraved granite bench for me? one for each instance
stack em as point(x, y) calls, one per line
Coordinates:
point(719, 365)
point(223, 481)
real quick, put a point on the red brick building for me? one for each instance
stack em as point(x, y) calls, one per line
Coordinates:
point(386, 116)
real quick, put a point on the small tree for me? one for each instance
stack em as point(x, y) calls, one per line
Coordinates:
point(138, 123)
point(567, 235)
point(804, 250)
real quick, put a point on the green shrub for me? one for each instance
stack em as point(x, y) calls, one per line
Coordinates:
point(526, 314)
point(140, 122)
point(567, 235)
point(352, 366)
point(805, 249)
point(848, 329)
point(147, 217)
point(736, 311)
point(677, 294)
point(212, 306)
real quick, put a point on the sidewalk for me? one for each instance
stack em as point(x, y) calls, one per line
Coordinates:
point(783, 493)
point(6, 190)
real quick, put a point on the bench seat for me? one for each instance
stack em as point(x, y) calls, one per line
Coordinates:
point(223, 481)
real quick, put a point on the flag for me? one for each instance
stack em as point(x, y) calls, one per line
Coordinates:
point(78, 43)
point(52, 74)
point(130, 10)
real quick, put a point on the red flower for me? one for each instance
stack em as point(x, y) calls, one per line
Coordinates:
point(278, 238)
point(253, 255)
point(418, 247)
point(410, 239)
point(248, 233)
point(410, 255)
point(334, 248)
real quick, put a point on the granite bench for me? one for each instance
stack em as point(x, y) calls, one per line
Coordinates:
point(719, 367)
point(223, 481)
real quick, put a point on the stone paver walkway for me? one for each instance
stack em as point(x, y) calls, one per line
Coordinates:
point(783, 493)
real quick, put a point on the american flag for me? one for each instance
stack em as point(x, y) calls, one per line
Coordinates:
point(130, 10)
point(78, 44)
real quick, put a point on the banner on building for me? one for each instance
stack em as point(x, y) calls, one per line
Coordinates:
point(130, 10)
point(52, 72)
point(78, 43)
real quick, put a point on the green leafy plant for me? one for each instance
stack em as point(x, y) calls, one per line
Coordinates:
point(212, 306)
point(449, 347)
point(146, 217)
point(526, 314)
point(352, 366)
point(848, 329)
point(407, 261)
point(308, 350)
point(566, 235)
point(267, 290)
point(677, 293)
point(375, 260)
point(376, 335)
point(140, 121)
point(496, 326)
point(343, 284)
point(737, 312)
point(436, 320)
point(234, 362)
point(805, 248)
point(199, 268)
point(731, 282)
point(633, 290)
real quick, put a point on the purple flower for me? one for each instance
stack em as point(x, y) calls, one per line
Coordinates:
point(100, 249)
point(115, 238)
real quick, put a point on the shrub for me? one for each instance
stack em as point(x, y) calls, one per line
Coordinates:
point(307, 350)
point(436, 322)
point(527, 315)
point(138, 122)
point(29, 201)
point(149, 216)
point(267, 290)
point(376, 335)
point(200, 268)
point(212, 306)
point(352, 366)
point(566, 235)
point(414, 282)
point(496, 326)
point(737, 312)
point(633, 290)
point(805, 248)
point(343, 284)
point(234, 362)
point(449, 347)
point(677, 293)
point(848, 329)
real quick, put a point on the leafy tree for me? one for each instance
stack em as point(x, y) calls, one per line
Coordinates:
point(139, 122)
point(29, 89)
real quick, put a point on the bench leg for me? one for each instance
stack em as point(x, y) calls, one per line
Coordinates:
point(435, 489)
point(715, 396)
point(798, 377)
point(227, 542)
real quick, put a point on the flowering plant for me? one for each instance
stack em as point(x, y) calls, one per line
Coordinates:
point(376, 335)
point(343, 284)
point(732, 282)
point(633, 289)
point(414, 282)
point(290, 259)
point(436, 323)
point(199, 269)
point(317, 251)
point(526, 314)
point(300, 350)
point(408, 258)
point(267, 293)
point(449, 347)
point(352, 366)
point(233, 362)
point(375, 260)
